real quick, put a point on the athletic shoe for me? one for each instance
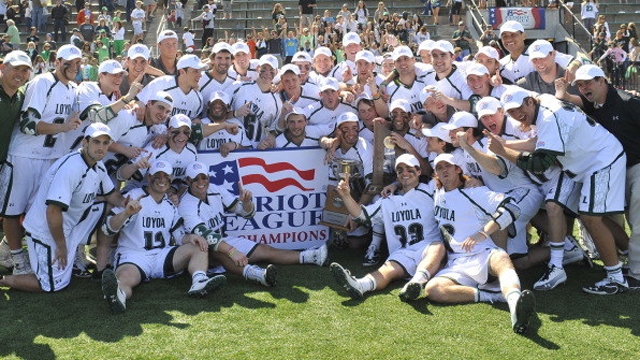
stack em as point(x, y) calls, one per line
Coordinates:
point(634, 284)
point(316, 256)
point(206, 286)
point(6, 260)
point(21, 265)
point(525, 309)
point(265, 276)
point(412, 290)
point(372, 257)
point(607, 286)
point(112, 293)
point(269, 276)
point(347, 281)
point(576, 254)
point(551, 278)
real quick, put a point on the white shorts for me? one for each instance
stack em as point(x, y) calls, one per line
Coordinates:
point(241, 244)
point(602, 192)
point(137, 28)
point(25, 176)
point(528, 200)
point(561, 189)
point(153, 264)
point(42, 250)
point(472, 270)
point(409, 258)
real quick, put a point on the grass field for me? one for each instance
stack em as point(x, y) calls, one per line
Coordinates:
point(307, 316)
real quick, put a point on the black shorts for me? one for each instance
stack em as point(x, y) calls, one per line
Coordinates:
point(456, 8)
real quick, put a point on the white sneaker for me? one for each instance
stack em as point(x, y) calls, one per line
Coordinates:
point(576, 254)
point(81, 264)
point(412, 290)
point(372, 257)
point(316, 256)
point(21, 265)
point(116, 298)
point(551, 278)
point(608, 286)
point(206, 286)
point(5, 254)
point(266, 276)
point(347, 281)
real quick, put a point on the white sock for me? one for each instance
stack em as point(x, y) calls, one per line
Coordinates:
point(512, 299)
point(198, 276)
point(557, 254)
point(421, 276)
point(367, 283)
point(615, 272)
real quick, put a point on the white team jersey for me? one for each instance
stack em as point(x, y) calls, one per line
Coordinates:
point(365, 133)
point(411, 93)
point(316, 78)
point(71, 184)
point(313, 133)
point(514, 70)
point(179, 162)
point(215, 140)
point(339, 69)
point(363, 152)
point(209, 213)
point(252, 71)
point(151, 228)
point(454, 85)
point(318, 114)
point(423, 69)
point(463, 212)
point(53, 102)
point(89, 94)
point(190, 104)
point(310, 95)
point(138, 15)
point(266, 107)
point(208, 85)
point(583, 145)
point(407, 219)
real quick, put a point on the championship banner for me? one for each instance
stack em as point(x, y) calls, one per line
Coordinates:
point(530, 18)
point(289, 189)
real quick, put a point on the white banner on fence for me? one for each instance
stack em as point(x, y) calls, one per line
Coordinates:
point(289, 189)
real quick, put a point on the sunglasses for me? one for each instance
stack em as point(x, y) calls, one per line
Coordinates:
point(177, 132)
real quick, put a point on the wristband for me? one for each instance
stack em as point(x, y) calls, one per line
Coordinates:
point(486, 236)
point(232, 252)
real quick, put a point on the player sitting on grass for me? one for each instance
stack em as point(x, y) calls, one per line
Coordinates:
point(411, 230)
point(145, 246)
point(203, 206)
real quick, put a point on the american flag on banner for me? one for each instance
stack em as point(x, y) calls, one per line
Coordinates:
point(273, 176)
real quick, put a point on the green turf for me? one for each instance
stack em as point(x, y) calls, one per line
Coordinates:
point(308, 317)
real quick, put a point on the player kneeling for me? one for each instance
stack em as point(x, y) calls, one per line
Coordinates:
point(145, 250)
point(473, 258)
point(409, 226)
point(203, 206)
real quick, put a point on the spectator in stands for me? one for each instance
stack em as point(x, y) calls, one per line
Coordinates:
point(12, 32)
point(138, 16)
point(278, 10)
point(167, 47)
point(85, 14)
point(60, 16)
point(602, 21)
point(227, 9)
point(87, 30)
point(488, 35)
point(208, 21)
point(305, 8)
point(37, 14)
point(46, 51)
point(462, 39)
point(588, 12)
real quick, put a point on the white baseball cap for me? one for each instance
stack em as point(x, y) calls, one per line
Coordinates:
point(221, 46)
point(346, 117)
point(489, 51)
point(401, 104)
point(443, 46)
point(461, 119)
point(426, 45)
point(179, 120)
point(139, 50)
point(487, 106)
point(97, 129)
point(69, 52)
point(191, 61)
point(161, 166)
point(301, 56)
point(270, 60)
point(290, 67)
point(513, 97)
point(111, 67)
point(18, 58)
point(351, 38)
point(365, 55)
point(449, 158)
point(196, 168)
point(167, 34)
point(540, 49)
point(587, 72)
point(329, 83)
point(407, 159)
point(426, 92)
point(363, 96)
point(437, 131)
point(476, 69)
point(163, 96)
point(401, 51)
point(295, 111)
point(240, 47)
point(222, 96)
point(511, 26)
point(322, 50)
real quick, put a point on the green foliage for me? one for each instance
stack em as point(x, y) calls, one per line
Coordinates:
point(308, 316)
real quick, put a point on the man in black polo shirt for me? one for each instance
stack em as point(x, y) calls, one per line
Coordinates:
point(617, 111)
